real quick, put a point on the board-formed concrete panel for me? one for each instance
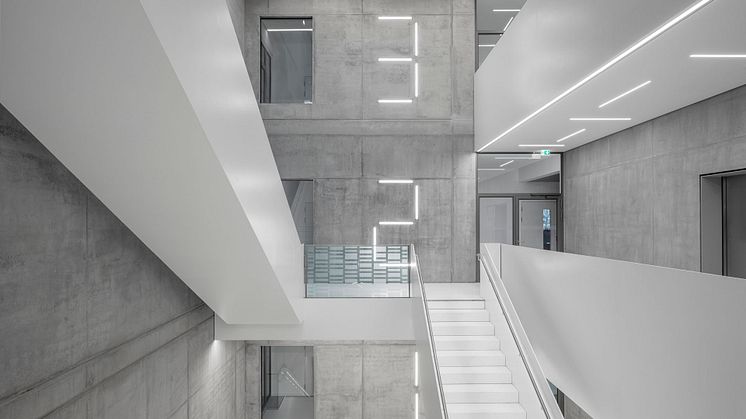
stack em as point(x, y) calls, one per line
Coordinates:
point(635, 195)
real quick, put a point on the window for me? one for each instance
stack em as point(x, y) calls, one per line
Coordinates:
point(286, 62)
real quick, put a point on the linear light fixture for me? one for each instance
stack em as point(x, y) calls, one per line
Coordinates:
point(416, 369)
point(508, 24)
point(718, 56)
point(571, 135)
point(416, 79)
point(395, 60)
point(600, 119)
point(375, 238)
point(395, 223)
point(541, 145)
point(506, 163)
point(491, 170)
point(506, 10)
point(416, 405)
point(486, 45)
point(632, 90)
point(394, 100)
point(668, 25)
point(289, 29)
point(416, 202)
point(389, 181)
point(416, 39)
point(394, 17)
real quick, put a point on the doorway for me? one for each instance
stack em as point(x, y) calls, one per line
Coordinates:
point(537, 226)
point(722, 223)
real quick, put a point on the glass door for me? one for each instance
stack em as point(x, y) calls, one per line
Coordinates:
point(537, 223)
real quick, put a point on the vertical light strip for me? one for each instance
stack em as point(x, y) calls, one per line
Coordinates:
point(416, 79)
point(416, 369)
point(416, 39)
point(668, 25)
point(375, 237)
point(416, 202)
point(416, 405)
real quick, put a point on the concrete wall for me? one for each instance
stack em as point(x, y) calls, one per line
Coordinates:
point(364, 381)
point(346, 141)
point(92, 324)
point(635, 195)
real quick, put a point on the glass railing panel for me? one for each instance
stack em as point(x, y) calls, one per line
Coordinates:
point(349, 271)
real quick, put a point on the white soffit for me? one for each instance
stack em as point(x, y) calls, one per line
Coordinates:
point(553, 45)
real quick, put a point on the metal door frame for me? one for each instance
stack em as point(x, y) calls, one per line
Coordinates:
point(516, 198)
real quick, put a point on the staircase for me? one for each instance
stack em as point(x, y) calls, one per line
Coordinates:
point(476, 382)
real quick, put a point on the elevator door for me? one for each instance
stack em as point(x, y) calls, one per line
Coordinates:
point(735, 226)
point(537, 224)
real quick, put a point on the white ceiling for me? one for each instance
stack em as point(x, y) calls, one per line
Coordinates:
point(490, 166)
point(553, 45)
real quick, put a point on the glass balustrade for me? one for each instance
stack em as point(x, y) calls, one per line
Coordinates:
point(347, 271)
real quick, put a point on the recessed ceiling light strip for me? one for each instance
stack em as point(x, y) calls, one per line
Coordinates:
point(508, 24)
point(632, 90)
point(668, 25)
point(600, 119)
point(571, 135)
point(541, 145)
point(489, 169)
point(394, 17)
point(718, 56)
point(506, 10)
point(507, 163)
point(289, 29)
point(394, 100)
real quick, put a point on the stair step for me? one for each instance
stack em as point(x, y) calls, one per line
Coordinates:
point(480, 393)
point(486, 411)
point(465, 315)
point(470, 358)
point(475, 375)
point(455, 304)
point(466, 343)
point(463, 328)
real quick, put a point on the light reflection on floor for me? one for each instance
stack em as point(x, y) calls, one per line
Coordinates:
point(357, 290)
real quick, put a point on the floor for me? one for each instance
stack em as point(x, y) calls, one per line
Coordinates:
point(357, 290)
point(292, 408)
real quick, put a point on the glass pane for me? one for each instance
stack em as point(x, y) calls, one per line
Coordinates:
point(286, 62)
point(357, 271)
point(496, 220)
point(299, 194)
point(537, 224)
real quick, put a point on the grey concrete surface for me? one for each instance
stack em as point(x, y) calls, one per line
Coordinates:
point(345, 141)
point(92, 324)
point(364, 380)
point(635, 195)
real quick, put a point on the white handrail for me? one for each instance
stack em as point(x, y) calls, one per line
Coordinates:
point(526, 351)
point(436, 367)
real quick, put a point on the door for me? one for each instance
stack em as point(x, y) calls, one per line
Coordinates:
point(496, 220)
point(537, 223)
point(735, 226)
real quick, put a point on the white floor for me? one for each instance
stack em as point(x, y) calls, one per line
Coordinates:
point(357, 290)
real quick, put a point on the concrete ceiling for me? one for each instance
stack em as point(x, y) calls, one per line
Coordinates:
point(551, 46)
